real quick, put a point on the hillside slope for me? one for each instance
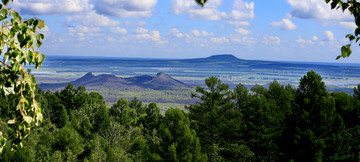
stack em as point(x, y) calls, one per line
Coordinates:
point(161, 81)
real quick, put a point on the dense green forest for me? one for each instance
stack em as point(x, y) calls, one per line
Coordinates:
point(280, 123)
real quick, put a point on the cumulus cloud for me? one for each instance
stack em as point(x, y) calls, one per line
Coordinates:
point(91, 18)
point(205, 33)
point(315, 38)
point(153, 35)
point(219, 40)
point(43, 7)
point(303, 41)
point(348, 24)
point(242, 40)
point(284, 24)
point(239, 23)
point(195, 33)
point(145, 34)
point(241, 10)
point(198, 33)
point(316, 9)
point(83, 32)
point(329, 35)
point(125, 8)
point(242, 31)
point(118, 30)
point(269, 40)
point(141, 30)
point(176, 33)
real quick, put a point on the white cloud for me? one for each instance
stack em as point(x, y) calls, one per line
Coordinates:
point(316, 9)
point(242, 40)
point(91, 18)
point(145, 34)
point(176, 33)
point(155, 35)
point(284, 24)
point(348, 24)
point(329, 35)
point(195, 33)
point(125, 8)
point(269, 40)
point(198, 33)
point(242, 31)
point(303, 41)
point(239, 23)
point(241, 10)
point(81, 32)
point(314, 38)
point(50, 7)
point(83, 29)
point(219, 40)
point(141, 30)
point(118, 30)
point(205, 33)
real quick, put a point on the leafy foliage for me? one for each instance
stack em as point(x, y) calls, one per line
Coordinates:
point(354, 8)
point(18, 46)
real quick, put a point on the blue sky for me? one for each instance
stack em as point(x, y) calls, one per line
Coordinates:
point(284, 30)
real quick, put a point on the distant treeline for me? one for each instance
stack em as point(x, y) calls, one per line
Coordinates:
point(280, 123)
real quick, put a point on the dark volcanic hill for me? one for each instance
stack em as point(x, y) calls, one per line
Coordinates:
point(161, 81)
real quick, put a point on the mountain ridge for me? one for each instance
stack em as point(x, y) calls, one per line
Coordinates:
point(161, 81)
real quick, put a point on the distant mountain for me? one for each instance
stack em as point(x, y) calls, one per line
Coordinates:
point(223, 57)
point(216, 58)
point(161, 81)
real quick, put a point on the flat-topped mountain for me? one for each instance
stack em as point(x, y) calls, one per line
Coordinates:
point(161, 81)
point(223, 57)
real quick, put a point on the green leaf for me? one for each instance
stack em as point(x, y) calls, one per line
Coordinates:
point(351, 38)
point(41, 58)
point(3, 14)
point(41, 24)
point(327, 1)
point(15, 15)
point(29, 57)
point(39, 39)
point(357, 31)
point(346, 51)
point(15, 67)
point(344, 6)
point(348, 35)
point(29, 21)
point(338, 57)
point(201, 2)
point(333, 4)
point(5, 2)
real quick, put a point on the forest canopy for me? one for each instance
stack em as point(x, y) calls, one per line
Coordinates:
point(275, 124)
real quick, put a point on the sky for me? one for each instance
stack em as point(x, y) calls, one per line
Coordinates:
point(280, 30)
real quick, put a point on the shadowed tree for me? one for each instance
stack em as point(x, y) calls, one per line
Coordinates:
point(209, 118)
point(314, 126)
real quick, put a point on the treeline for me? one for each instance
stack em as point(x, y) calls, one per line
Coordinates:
point(280, 123)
